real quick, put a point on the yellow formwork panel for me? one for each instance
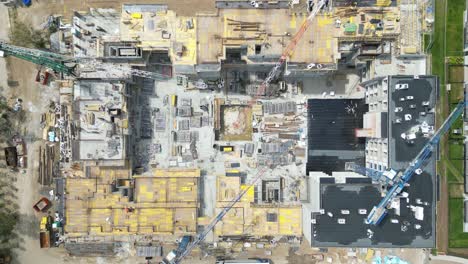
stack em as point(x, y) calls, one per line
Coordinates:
point(260, 225)
point(228, 188)
point(232, 223)
point(369, 255)
point(290, 220)
point(170, 173)
point(292, 22)
point(98, 217)
point(160, 219)
point(143, 195)
point(324, 20)
point(383, 3)
point(249, 195)
point(125, 218)
point(137, 15)
point(185, 189)
point(145, 230)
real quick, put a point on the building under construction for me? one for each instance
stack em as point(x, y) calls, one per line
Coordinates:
point(171, 117)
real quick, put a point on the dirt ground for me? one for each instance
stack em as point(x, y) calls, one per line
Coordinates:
point(442, 216)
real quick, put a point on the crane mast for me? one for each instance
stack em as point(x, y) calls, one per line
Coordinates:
point(271, 75)
point(57, 63)
point(50, 60)
point(67, 65)
point(218, 218)
point(378, 212)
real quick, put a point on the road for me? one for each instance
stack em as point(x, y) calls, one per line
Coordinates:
point(36, 99)
point(5, 28)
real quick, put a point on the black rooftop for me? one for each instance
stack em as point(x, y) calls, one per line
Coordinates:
point(332, 140)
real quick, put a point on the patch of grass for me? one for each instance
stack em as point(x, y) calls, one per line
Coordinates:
point(454, 34)
point(457, 238)
point(456, 190)
point(426, 41)
point(456, 60)
point(438, 48)
point(456, 150)
point(451, 178)
point(456, 74)
point(458, 164)
point(456, 93)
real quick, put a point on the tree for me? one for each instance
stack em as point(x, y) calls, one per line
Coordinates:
point(23, 34)
point(7, 224)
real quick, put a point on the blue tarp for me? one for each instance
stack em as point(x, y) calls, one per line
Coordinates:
point(389, 260)
point(394, 260)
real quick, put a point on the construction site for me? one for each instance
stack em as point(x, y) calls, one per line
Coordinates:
point(258, 130)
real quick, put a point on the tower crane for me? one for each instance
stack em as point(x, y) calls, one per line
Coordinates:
point(68, 65)
point(271, 75)
point(399, 180)
point(200, 237)
point(291, 47)
point(383, 177)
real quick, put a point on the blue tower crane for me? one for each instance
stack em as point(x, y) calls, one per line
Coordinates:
point(383, 177)
point(379, 211)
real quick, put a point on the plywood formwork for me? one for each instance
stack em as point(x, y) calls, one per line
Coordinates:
point(210, 46)
point(270, 28)
point(165, 203)
point(247, 218)
point(162, 190)
point(161, 30)
point(204, 37)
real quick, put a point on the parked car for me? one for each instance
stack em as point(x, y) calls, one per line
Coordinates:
point(413, 106)
point(409, 97)
point(398, 109)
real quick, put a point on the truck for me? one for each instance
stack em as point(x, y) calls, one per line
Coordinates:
point(44, 235)
point(42, 205)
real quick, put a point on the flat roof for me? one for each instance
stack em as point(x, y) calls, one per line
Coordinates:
point(401, 153)
point(332, 140)
point(327, 232)
point(421, 90)
point(352, 196)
